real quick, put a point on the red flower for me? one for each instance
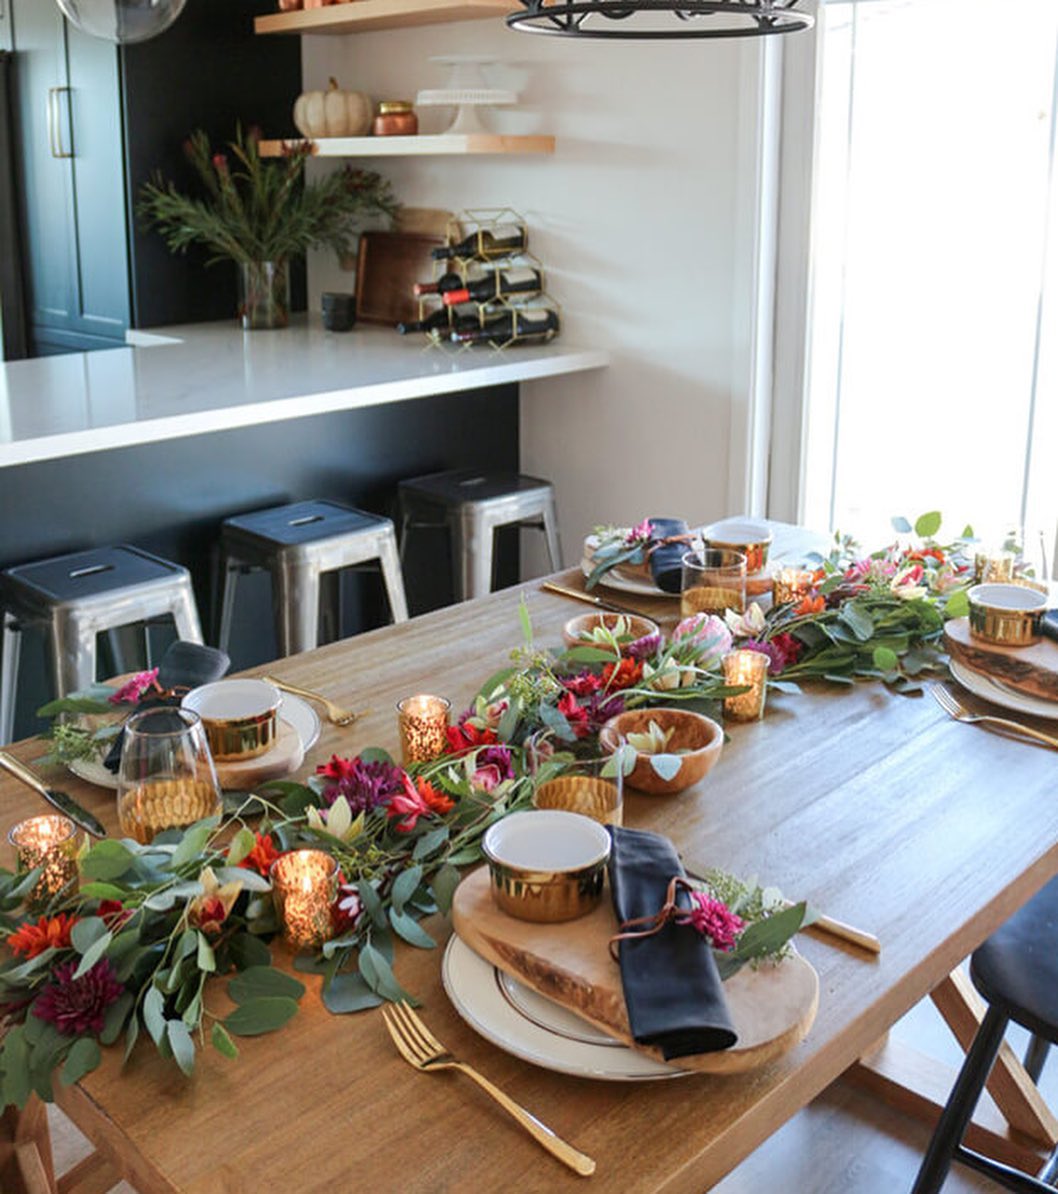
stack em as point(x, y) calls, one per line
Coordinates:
point(419, 799)
point(337, 769)
point(574, 714)
point(262, 855)
point(811, 605)
point(207, 913)
point(787, 650)
point(467, 736)
point(113, 913)
point(79, 1005)
point(48, 933)
point(583, 683)
point(346, 909)
point(625, 674)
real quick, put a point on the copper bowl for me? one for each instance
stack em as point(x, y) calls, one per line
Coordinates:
point(749, 536)
point(636, 627)
point(699, 736)
point(546, 866)
point(241, 717)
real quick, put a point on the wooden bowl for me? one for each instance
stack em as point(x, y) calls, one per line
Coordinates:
point(638, 627)
point(700, 736)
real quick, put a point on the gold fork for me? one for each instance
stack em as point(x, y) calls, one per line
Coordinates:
point(423, 1051)
point(950, 704)
point(336, 715)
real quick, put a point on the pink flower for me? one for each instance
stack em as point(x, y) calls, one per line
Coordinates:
point(713, 919)
point(640, 533)
point(419, 799)
point(346, 909)
point(487, 778)
point(132, 690)
point(574, 714)
point(76, 1006)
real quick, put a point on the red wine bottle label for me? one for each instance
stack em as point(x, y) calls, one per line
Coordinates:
point(451, 297)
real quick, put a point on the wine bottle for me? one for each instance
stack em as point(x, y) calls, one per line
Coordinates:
point(443, 319)
point(511, 325)
point(497, 284)
point(487, 242)
point(446, 282)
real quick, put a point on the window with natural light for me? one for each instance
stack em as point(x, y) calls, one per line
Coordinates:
point(933, 316)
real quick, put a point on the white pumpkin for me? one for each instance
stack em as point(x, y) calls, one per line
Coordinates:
point(332, 113)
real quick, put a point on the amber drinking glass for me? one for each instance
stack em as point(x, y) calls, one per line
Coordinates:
point(713, 580)
point(166, 779)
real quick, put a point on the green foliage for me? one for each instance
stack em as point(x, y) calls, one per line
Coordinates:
point(257, 210)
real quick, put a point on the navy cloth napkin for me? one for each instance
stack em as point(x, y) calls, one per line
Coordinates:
point(672, 988)
point(666, 562)
point(184, 665)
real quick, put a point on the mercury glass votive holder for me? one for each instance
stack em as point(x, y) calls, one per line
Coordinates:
point(746, 667)
point(423, 721)
point(791, 584)
point(993, 567)
point(304, 887)
point(49, 842)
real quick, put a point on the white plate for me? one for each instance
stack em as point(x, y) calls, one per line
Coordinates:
point(999, 694)
point(292, 710)
point(520, 1021)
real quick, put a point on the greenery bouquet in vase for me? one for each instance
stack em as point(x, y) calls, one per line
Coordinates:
point(261, 214)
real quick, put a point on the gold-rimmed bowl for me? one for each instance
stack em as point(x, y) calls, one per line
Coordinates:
point(750, 536)
point(546, 865)
point(577, 631)
point(1008, 615)
point(241, 717)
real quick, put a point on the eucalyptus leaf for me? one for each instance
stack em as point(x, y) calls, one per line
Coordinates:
point(88, 932)
point(260, 981)
point(404, 886)
point(83, 1057)
point(193, 842)
point(378, 974)
point(957, 605)
point(246, 950)
point(885, 659)
point(102, 891)
point(116, 1016)
point(249, 880)
point(154, 1014)
point(666, 767)
point(429, 843)
point(372, 904)
point(182, 1045)
point(222, 1041)
point(15, 1059)
point(205, 958)
point(107, 859)
point(901, 526)
point(410, 929)
point(261, 1015)
point(348, 993)
point(131, 1036)
point(241, 845)
point(927, 525)
point(443, 886)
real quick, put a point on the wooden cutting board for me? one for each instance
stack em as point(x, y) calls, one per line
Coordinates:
point(1031, 670)
point(388, 266)
point(286, 756)
point(772, 1007)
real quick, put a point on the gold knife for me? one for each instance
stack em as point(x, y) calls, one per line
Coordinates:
point(587, 598)
point(65, 804)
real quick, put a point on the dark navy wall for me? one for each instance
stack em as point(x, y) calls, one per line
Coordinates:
point(171, 498)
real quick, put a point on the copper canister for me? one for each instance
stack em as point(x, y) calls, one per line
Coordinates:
point(395, 118)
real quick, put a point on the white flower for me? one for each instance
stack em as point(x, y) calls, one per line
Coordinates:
point(748, 625)
point(337, 820)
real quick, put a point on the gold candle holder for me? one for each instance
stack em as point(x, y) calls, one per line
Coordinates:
point(49, 842)
point(791, 584)
point(589, 795)
point(994, 567)
point(746, 667)
point(423, 721)
point(304, 887)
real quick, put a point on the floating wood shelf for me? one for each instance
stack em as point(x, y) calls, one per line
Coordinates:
point(362, 15)
point(444, 143)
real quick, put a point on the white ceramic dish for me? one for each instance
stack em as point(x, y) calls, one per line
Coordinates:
point(737, 530)
point(546, 840)
point(292, 710)
point(233, 700)
point(520, 1022)
point(1000, 694)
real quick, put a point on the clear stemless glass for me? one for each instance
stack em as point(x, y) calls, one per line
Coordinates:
point(582, 788)
point(166, 779)
point(713, 580)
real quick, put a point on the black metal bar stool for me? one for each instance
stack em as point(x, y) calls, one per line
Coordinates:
point(1016, 971)
point(298, 544)
point(471, 505)
point(78, 596)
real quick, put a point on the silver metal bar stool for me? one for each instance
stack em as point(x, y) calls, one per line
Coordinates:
point(472, 505)
point(297, 544)
point(77, 597)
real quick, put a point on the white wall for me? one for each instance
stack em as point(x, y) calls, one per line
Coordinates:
point(645, 220)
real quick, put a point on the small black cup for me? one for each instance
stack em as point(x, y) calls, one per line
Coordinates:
point(339, 311)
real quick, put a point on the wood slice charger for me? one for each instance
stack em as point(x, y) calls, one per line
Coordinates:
point(772, 1007)
point(1032, 670)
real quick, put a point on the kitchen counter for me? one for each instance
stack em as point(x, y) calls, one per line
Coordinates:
point(210, 377)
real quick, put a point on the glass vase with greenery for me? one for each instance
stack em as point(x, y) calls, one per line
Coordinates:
point(261, 213)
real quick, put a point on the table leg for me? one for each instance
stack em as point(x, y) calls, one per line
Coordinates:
point(25, 1150)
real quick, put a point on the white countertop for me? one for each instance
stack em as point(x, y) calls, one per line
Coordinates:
point(214, 377)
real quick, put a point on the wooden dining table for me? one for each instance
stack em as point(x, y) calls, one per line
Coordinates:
point(874, 806)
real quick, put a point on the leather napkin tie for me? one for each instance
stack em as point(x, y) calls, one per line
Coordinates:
point(672, 988)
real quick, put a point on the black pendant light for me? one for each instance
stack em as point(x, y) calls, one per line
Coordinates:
point(122, 21)
point(656, 19)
